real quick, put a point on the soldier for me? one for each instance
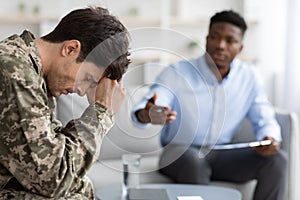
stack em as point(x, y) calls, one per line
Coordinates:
point(87, 54)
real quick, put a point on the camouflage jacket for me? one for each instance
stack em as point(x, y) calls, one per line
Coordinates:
point(40, 159)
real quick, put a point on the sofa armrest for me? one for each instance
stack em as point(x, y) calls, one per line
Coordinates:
point(289, 123)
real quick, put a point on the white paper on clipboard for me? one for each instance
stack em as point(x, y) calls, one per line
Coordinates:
point(241, 145)
point(189, 198)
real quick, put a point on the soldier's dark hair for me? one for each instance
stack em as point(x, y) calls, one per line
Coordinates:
point(231, 17)
point(104, 39)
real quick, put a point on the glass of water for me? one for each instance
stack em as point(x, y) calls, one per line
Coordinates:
point(131, 169)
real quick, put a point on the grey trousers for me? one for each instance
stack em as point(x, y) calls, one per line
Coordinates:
point(183, 165)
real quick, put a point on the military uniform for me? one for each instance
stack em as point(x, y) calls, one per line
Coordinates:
point(39, 158)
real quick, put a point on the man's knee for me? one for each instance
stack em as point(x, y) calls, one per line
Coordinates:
point(281, 162)
point(193, 169)
point(277, 164)
point(188, 168)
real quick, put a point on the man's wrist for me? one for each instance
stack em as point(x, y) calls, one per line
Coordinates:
point(102, 108)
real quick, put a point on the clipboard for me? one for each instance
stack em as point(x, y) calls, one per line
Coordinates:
point(241, 145)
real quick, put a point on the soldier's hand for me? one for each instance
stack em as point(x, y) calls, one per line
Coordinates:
point(109, 93)
point(155, 114)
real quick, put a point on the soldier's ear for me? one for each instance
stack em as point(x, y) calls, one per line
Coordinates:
point(71, 48)
point(241, 48)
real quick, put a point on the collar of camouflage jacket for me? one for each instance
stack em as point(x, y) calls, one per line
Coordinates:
point(35, 57)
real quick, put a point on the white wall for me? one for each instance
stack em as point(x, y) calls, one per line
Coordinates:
point(292, 90)
point(272, 45)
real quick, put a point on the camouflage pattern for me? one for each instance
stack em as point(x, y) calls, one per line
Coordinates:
point(40, 159)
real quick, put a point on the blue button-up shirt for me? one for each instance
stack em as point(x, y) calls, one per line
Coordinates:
point(209, 111)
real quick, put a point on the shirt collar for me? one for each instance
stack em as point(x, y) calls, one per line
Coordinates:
point(208, 74)
point(233, 69)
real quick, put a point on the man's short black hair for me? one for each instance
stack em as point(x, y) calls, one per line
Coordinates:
point(231, 17)
point(104, 39)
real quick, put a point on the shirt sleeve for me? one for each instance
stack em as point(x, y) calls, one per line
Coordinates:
point(44, 157)
point(261, 112)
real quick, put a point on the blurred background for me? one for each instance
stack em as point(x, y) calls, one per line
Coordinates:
point(271, 42)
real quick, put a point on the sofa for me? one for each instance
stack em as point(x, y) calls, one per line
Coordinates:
point(124, 138)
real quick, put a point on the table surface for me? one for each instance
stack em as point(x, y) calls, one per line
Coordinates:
point(207, 192)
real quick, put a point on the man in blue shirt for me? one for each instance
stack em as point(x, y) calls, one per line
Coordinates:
point(202, 103)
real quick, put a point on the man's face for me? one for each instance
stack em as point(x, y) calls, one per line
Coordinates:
point(223, 43)
point(74, 78)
